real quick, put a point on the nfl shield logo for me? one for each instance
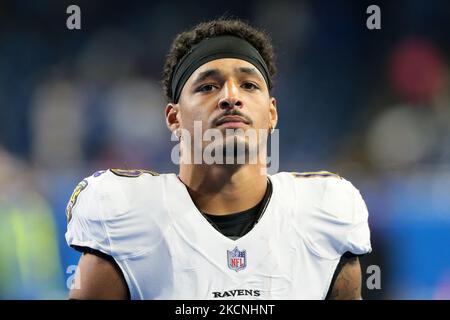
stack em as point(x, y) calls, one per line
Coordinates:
point(237, 260)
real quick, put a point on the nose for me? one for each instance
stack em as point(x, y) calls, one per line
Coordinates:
point(230, 99)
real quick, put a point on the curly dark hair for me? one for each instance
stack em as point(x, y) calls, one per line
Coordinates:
point(184, 41)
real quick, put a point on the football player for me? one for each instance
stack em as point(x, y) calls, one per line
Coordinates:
point(218, 230)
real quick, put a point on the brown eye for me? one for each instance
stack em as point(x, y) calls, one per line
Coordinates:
point(249, 86)
point(206, 88)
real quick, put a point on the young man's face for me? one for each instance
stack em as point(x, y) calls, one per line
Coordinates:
point(227, 94)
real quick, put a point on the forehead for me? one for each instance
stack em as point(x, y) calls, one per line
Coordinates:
point(224, 66)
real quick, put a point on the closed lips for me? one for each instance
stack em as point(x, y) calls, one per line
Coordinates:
point(231, 119)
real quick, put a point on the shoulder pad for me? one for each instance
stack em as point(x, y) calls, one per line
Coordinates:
point(134, 173)
point(315, 174)
point(73, 198)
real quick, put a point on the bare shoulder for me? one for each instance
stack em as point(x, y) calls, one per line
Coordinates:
point(347, 285)
point(98, 277)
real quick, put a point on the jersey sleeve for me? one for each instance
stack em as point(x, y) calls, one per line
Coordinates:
point(332, 216)
point(358, 239)
point(348, 226)
point(85, 228)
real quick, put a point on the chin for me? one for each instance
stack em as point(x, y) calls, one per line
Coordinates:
point(237, 150)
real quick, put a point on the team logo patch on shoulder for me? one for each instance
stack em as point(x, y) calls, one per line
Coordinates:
point(73, 199)
point(237, 260)
point(132, 173)
point(314, 174)
point(98, 173)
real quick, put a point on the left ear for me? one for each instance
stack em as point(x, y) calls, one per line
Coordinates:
point(273, 113)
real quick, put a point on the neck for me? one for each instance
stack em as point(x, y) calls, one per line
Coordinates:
point(224, 189)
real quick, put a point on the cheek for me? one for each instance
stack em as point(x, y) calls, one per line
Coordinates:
point(195, 115)
point(262, 120)
point(260, 109)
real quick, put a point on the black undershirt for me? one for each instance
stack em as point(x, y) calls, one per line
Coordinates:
point(235, 225)
point(238, 224)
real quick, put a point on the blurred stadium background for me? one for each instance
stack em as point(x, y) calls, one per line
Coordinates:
point(372, 106)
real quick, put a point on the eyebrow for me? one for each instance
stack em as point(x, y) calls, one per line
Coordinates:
point(211, 73)
point(249, 71)
point(215, 73)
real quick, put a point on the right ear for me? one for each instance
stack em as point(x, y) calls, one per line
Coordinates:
point(172, 116)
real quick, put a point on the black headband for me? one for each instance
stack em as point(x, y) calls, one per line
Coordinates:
point(211, 49)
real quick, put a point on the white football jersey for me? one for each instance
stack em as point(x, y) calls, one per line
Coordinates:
point(167, 249)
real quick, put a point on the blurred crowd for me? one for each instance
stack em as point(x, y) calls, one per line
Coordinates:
point(371, 105)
